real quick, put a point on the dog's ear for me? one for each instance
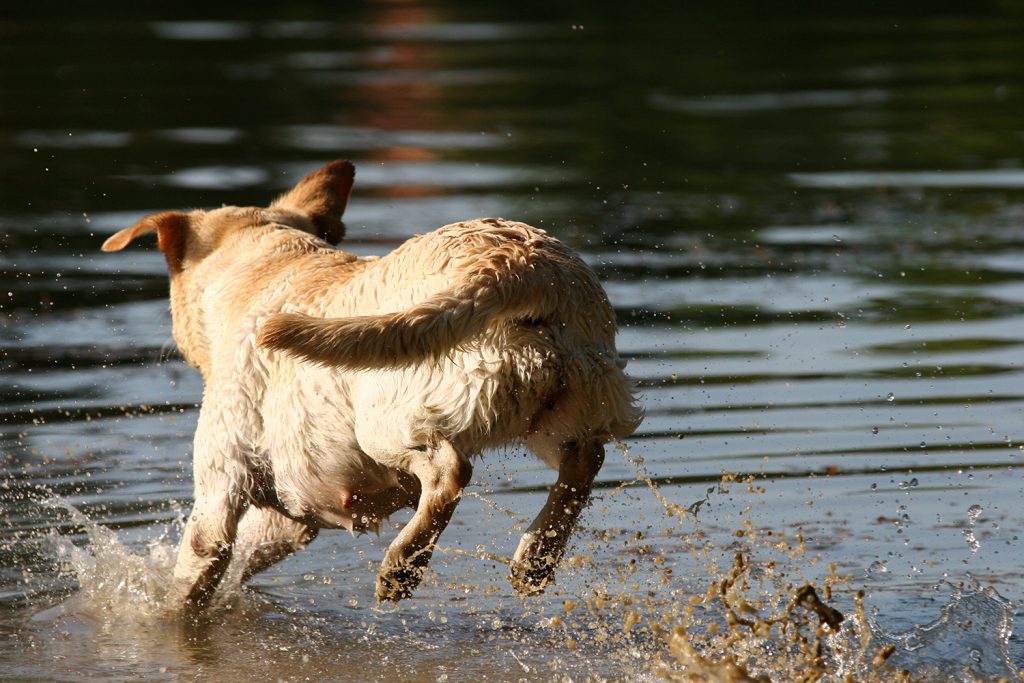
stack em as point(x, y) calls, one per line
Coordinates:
point(170, 228)
point(322, 195)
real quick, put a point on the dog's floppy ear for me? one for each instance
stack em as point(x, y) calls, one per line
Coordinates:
point(322, 195)
point(170, 228)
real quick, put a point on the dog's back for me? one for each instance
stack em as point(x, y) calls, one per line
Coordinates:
point(481, 328)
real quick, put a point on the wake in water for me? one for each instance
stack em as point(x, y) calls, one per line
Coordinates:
point(750, 616)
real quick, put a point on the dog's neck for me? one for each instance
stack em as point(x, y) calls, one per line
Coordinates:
point(188, 326)
point(239, 269)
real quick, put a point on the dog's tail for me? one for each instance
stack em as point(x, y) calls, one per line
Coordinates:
point(517, 287)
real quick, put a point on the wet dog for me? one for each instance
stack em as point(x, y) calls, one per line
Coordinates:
point(339, 389)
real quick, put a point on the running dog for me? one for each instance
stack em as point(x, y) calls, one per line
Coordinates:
point(339, 389)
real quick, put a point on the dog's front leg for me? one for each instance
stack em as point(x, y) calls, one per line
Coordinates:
point(443, 472)
point(541, 547)
point(205, 552)
point(220, 474)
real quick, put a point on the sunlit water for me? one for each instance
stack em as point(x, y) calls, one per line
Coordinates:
point(811, 227)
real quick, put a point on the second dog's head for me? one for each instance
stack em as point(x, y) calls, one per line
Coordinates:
point(315, 205)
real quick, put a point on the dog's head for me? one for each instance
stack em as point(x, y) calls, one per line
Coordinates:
point(319, 199)
point(315, 205)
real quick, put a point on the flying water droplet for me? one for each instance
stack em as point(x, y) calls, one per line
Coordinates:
point(973, 513)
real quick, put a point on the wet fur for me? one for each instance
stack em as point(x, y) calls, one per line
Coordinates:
point(340, 389)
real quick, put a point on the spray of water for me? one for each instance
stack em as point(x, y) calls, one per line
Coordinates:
point(751, 615)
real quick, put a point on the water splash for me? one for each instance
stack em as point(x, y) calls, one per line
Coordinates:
point(807, 640)
point(973, 513)
point(969, 641)
point(751, 616)
point(759, 622)
point(110, 577)
point(118, 583)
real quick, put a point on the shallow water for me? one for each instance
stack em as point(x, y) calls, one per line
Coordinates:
point(810, 224)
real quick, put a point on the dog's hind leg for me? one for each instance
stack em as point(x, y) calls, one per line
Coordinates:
point(265, 537)
point(443, 472)
point(543, 544)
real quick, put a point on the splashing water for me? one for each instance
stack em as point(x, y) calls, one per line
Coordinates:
point(750, 616)
point(803, 639)
point(111, 578)
point(973, 513)
point(967, 642)
point(757, 622)
point(118, 585)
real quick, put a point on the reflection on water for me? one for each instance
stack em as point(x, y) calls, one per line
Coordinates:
point(809, 223)
point(996, 178)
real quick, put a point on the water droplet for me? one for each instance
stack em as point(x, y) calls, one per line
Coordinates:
point(874, 430)
point(973, 513)
point(890, 397)
point(877, 567)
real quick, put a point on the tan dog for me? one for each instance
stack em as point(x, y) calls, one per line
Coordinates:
point(339, 389)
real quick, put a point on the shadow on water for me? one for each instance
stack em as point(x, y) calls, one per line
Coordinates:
point(808, 220)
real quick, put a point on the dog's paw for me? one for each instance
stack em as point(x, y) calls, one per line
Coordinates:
point(397, 583)
point(532, 575)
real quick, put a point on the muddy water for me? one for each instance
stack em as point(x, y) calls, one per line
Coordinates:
point(811, 227)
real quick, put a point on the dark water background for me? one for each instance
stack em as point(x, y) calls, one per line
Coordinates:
point(810, 221)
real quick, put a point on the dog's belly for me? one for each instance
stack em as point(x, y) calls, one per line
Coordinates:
point(319, 473)
point(365, 511)
point(345, 497)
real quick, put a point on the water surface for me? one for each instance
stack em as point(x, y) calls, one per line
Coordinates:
point(810, 225)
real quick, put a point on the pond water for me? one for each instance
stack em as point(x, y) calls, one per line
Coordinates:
point(810, 222)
